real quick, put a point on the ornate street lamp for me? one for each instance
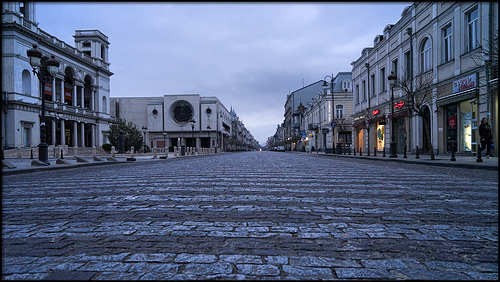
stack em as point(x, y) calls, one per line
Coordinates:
point(392, 82)
point(325, 87)
point(192, 121)
point(144, 131)
point(45, 69)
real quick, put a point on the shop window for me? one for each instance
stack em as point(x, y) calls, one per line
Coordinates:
point(451, 128)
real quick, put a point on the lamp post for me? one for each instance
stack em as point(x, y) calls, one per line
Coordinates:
point(192, 121)
point(144, 131)
point(392, 82)
point(45, 69)
point(325, 87)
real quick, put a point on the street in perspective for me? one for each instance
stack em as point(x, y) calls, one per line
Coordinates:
point(251, 215)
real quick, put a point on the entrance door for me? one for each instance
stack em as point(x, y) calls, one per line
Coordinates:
point(426, 131)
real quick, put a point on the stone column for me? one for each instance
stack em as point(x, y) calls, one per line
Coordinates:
point(82, 137)
point(75, 134)
point(63, 133)
point(53, 89)
point(53, 121)
point(92, 135)
point(82, 105)
point(92, 100)
point(62, 91)
point(73, 101)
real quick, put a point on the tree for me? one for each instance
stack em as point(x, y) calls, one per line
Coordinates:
point(133, 136)
point(418, 92)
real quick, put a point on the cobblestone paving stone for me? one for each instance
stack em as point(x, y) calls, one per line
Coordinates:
point(252, 215)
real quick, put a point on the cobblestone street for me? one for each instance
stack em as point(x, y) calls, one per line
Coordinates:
point(251, 215)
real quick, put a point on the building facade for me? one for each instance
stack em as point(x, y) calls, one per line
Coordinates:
point(186, 120)
point(326, 123)
point(290, 134)
point(440, 53)
point(77, 99)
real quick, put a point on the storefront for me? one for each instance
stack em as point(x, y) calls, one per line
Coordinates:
point(378, 125)
point(358, 126)
point(458, 119)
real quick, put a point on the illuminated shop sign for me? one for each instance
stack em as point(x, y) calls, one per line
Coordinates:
point(376, 112)
point(464, 83)
point(399, 105)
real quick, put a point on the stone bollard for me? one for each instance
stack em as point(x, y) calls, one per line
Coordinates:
point(75, 152)
point(132, 157)
point(94, 152)
point(19, 154)
point(154, 153)
point(113, 151)
point(166, 152)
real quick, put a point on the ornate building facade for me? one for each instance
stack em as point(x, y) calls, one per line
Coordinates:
point(76, 100)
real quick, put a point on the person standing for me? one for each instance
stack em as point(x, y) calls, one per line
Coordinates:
point(485, 136)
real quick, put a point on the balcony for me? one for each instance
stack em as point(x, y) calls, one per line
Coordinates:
point(312, 126)
point(296, 125)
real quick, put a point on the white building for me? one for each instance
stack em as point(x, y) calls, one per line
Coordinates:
point(76, 101)
point(185, 120)
point(446, 42)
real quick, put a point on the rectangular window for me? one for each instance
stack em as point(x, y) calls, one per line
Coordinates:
point(407, 57)
point(447, 43)
point(395, 66)
point(363, 85)
point(372, 85)
point(339, 111)
point(382, 80)
point(357, 94)
point(472, 30)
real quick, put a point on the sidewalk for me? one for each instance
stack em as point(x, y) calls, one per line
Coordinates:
point(24, 165)
point(440, 160)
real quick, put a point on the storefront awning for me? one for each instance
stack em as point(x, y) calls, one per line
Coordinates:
point(457, 97)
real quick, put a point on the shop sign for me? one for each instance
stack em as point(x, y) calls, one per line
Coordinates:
point(376, 112)
point(399, 105)
point(464, 83)
point(452, 122)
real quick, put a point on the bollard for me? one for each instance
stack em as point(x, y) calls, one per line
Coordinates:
point(132, 151)
point(404, 154)
point(31, 154)
point(166, 152)
point(453, 156)
point(354, 151)
point(383, 152)
point(112, 151)
point(360, 152)
point(75, 151)
point(19, 154)
point(62, 156)
point(375, 151)
point(154, 153)
point(94, 152)
point(417, 156)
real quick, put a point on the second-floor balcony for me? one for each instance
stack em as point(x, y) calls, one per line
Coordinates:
point(312, 126)
point(296, 125)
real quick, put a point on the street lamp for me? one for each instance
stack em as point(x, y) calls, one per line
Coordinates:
point(392, 82)
point(45, 69)
point(144, 130)
point(325, 87)
point(192, 121)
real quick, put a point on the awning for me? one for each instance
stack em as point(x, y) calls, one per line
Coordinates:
point(457, 97)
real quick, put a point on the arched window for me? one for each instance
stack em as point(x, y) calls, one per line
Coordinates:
point(26, 82)
point(104, 105)
point(339, 111)
point(426, 55)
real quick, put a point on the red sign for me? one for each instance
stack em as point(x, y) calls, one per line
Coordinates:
point(48, 89)
point(452, 122)
point(375, 112)
point(399, 105)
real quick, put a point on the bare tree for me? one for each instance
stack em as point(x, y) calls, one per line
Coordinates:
point(487, 55)
point(418, 92)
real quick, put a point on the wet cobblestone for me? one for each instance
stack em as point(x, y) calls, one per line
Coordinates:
point(253, 215)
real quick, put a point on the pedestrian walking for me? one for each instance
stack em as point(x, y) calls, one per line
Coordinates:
point(485, 136)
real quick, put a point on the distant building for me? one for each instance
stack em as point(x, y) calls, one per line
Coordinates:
point(77, 100)
point(320, 128)
point(184, 120)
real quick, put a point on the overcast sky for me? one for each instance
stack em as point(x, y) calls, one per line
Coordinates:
point(250, 55)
